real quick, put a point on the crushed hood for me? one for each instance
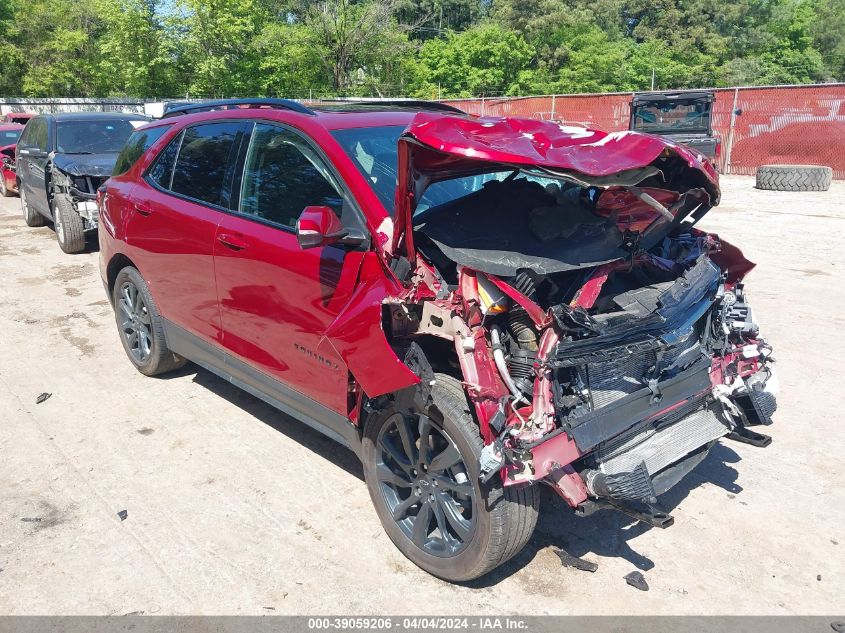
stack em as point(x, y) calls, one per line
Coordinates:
point(85, 164)
point(437, 147)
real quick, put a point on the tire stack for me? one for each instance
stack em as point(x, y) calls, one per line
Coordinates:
point(794, 177)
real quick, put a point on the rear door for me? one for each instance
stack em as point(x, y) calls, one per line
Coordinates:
point(277, 300)
point(174, 212)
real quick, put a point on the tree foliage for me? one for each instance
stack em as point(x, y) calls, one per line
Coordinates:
point(425, 48)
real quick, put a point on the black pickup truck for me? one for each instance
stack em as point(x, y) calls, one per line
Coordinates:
point(684, 117)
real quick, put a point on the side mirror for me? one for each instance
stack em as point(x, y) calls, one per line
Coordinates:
point(320, 226)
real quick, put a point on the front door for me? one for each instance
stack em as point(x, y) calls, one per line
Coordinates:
point(32, 165)
point(277, 300)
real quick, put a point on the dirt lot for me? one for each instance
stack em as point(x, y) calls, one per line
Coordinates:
point(234, 508)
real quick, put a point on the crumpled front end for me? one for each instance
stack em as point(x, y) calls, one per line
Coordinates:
point(605, 343)
point(631, 399)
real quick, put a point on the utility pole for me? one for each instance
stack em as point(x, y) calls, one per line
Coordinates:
point(652, 78)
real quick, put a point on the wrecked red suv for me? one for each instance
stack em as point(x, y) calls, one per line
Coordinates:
point(472, 305)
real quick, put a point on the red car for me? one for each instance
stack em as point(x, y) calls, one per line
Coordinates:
point(9, 135)
point(472, 305)
point(19, 117)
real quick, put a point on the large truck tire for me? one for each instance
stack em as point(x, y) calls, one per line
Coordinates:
point(794, 177)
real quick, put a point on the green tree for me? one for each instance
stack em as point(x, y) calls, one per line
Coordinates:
point(217, 35)
point(485, 59)
point(137, 53)
point(361, 45)
point(13, 63)
point(828, 31)
point(290, 62)
point(55, 40)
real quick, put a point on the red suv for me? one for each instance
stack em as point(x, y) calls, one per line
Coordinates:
point(472, 305)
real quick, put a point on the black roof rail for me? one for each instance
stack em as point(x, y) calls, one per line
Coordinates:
point(398, 103)
point(181, 107)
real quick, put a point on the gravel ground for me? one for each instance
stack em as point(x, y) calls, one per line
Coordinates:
point(233, 508)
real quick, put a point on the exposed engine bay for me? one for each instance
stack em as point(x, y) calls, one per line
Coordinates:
point(604, 341)
point(80, 190)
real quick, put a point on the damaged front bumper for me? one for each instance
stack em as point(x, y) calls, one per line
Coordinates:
point(639, 404)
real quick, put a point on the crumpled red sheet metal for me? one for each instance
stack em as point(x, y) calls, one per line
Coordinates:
point(546, 144)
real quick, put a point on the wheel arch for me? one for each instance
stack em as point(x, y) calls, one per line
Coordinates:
point(118, 262)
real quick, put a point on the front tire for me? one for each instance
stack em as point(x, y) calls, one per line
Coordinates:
point(30, 215)
point(140, 325)
point(4, 190)
point(421, 468)
point(70, 230)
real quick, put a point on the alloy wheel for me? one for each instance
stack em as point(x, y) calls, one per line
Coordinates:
point(135, 324)
point(425, 484)
point(58, 225)
point(3, 190)
point(24, 205)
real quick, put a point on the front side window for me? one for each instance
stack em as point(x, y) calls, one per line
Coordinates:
point(283, 175)
point(37, 136)
point(92, 137)
point(139, 142)
point(203, 161)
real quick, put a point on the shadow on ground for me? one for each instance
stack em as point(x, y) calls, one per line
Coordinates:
point(607, 533)
point(275, 419)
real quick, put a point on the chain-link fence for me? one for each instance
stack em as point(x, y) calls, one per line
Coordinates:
point(758, 126)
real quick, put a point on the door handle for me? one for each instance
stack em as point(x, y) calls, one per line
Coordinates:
point(143, 210)
point(231, 241)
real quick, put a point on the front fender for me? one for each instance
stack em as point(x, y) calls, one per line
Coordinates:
point(359, 338)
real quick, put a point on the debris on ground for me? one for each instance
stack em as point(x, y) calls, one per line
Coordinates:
point(42, 397)
point(568, 560)
point(637, 580)
point(819, 577)
point(31, 519)
point(122, 515)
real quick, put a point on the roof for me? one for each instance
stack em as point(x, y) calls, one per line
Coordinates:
point(673, 95)
point(97, 116)
point(10, 126)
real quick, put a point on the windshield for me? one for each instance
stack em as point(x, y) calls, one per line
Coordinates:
point(374, 152)
point(9, 137)
point(672, 115)
point(93, 137)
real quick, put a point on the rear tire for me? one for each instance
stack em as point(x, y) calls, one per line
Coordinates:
point(500, 519)
point(140, 325)
point(30, 215)
point(70, 229)
point(794, 177)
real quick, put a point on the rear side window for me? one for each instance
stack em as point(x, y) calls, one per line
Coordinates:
point(203, 161)
point(161, 173)
point(138, 143)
